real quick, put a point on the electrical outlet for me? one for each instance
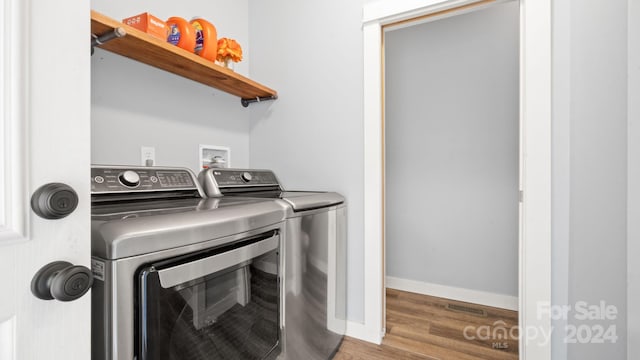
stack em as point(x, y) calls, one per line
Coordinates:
point(147, 155)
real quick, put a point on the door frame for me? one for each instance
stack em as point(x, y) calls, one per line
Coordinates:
point(14, 186)
point(535, 161)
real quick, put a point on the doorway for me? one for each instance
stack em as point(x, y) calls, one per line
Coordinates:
point(451, 100)
point(451, 156)
point(534, 271)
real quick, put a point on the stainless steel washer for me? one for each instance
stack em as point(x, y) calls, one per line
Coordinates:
point(179, 276)
point(314, 258)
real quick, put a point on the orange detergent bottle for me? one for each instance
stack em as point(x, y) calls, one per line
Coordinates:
point(206, 39)
point(181, 33)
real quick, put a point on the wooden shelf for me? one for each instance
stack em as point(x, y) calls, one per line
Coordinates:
point(142, 47)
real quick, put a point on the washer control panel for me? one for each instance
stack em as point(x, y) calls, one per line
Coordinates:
point(121, 179)
point(240, 177)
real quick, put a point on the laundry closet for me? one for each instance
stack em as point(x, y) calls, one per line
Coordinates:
point(274, 289)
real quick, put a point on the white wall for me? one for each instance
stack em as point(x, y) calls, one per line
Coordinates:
point(452, 151)
point(598, 167)
point(134, 104)
point(311, 52)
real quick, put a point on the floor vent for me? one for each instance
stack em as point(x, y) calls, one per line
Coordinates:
point(466, 309)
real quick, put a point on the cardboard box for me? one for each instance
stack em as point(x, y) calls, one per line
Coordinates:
point(149, 24)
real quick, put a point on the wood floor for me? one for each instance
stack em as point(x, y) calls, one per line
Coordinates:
point(421, 327)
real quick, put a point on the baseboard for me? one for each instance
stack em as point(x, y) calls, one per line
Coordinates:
point(360, 331)
point(454, 293)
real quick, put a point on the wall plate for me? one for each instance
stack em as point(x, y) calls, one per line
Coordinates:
point(147, 155)
point(214, 156)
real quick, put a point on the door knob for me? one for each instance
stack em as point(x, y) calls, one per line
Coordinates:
point(62, 281)
point(54, 201)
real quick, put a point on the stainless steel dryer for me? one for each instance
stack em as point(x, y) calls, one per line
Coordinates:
point(314, 258)
point(179, 276)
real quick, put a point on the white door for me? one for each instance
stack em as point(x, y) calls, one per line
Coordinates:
point(44, 138)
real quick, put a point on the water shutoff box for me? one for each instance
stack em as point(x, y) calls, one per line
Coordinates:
point(213, 156)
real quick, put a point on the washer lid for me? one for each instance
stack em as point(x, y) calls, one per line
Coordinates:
point(308, 200)
point(298, 200)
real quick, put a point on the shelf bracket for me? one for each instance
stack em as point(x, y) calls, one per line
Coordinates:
point(246, 102)
point(108, 36)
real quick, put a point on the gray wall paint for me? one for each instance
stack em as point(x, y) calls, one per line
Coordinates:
point(452, 151)
point(313, 135)
point(598, 156)
point(134, 104)
point(633, 225)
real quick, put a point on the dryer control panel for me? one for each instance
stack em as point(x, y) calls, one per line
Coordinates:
point(132, 179)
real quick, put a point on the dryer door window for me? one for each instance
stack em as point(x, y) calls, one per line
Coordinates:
point(231, 313)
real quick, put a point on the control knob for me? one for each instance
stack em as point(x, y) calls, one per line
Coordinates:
point(246, 176)
point(129, 178)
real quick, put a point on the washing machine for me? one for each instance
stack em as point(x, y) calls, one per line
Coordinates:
point(314, 252)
